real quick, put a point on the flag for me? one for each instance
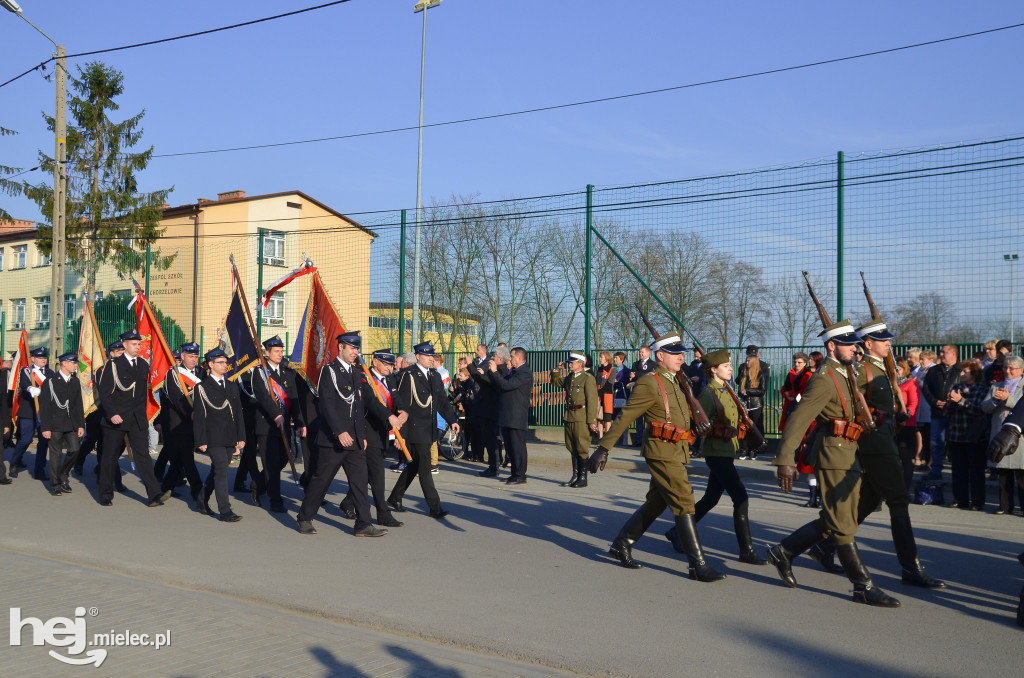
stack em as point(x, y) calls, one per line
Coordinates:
point(154, 349)
point(235, 339)
point(90, 356)
point(18, 363)
point(306, 268)
point(317, 342)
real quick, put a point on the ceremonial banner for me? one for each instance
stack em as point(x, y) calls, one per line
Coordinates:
point(317, 342)
point(18, 363)
point(91, 355)
point(154, 349)
point(235, 339)
point(306, 268)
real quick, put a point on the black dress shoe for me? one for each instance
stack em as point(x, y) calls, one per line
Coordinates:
point(516, 481)
point(349, 513)
point(390, 521)
point(230, 517)
point(396, 505)
point(121, 488)
point(106, 502)
point(239, 489)
point(488, 473)
point(255, 496)
point(5, 481)
point(371, 531)
point(65, 487)
point(13, 472)
point(277, 507)
point(200, 505)
point(306, 527)
point(77, 470)
point(439, 515)
point(55, 492)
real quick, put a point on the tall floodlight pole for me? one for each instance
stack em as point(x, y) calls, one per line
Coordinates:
point(421, 6)
point(1011, 258)
point(58, 253)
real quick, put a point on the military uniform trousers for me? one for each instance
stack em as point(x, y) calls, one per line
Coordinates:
point(670, 488)
point(217, 480)
point(330, 460)
point(59, 442)
point(91, 441)
point(722, 477)
point(418, 466)
point(181, 446)
point(484, 434)
point(375, 474)
point(882, 473)
point(113, 448)
point(839, 489)
point(577, 438)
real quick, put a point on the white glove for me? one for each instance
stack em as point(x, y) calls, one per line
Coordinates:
point(34, 391)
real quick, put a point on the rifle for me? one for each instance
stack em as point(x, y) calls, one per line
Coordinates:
point(398, 434)
point(890, 360)
point(756, 437)
point(861, 412)
point(701, 423)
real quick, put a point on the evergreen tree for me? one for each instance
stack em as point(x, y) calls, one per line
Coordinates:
point(107, 219)
point(8, 186)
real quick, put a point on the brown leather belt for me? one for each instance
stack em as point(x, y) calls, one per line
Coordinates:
point(572, 408)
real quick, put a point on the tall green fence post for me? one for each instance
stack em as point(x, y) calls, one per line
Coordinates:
point(587, 266)
point(149, 262)
point(401, 288)
point(201, 351)
point(259, 286)
point(839, 236)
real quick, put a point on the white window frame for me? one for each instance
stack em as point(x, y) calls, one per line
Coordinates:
point(273, 248)
point(43, 259)
point(18, 309)
point(273, 314)
point(21, 257)
point(70, 308)
point(1, 258)
point(42, 312)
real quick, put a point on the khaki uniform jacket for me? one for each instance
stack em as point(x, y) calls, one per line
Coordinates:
point(882, 400)
point(716, 447)
point(580, 389)
point(645, 401)
point(820, 402)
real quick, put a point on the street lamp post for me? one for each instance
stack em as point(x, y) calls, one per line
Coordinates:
point(58, 253)
point(1011, 258)
point(421, 6)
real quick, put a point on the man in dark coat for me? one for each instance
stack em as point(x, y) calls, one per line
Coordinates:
point(484, 414)
point(218, 429)
point(123, 391)
point(178, 402)
point(247, 464)
point(30, 383)
point(94, 420)
point(421, 388)
point(516, 388)
point(277, 398)
point(62, 420)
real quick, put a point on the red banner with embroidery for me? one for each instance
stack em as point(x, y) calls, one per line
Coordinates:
point(18, 363)
point(317, 343)
point(154, 350)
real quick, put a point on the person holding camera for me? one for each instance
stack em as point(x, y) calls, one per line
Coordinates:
point(580, 418)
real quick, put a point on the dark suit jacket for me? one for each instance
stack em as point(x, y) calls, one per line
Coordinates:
point(415, 388)
point(130, 403)
point(378, 426)
point(178, 417)
point(268, 404)
point(338, 416)
point(218, 420)
point(640, 368)
point(54, 417)
point(516, 388)
point(485, 404)
point(27, 408)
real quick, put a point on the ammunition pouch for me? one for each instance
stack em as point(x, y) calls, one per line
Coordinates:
point(848, 430)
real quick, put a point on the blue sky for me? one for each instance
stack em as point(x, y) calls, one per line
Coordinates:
point(355, 68)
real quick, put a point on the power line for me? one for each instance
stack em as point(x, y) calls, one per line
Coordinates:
point(180, 37)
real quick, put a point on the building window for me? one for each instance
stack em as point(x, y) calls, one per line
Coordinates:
point(20, 256)
point(273, 315)
point(273, 248)
point(97, 297)
point(44, 259)
point(380, 323)
point(42, 312)
point(18, 313)
point(120, 293)
point(1, 258)
point(70, 308)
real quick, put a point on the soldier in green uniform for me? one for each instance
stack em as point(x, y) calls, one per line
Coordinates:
point(828, 400)
point(880, 457)
point(580, 418)
point(720, 448)
point(658, 398)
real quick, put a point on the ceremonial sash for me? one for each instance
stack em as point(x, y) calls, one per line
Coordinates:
point(37, 379)
point(189, 377)
point(385, 394)
point(276, 389)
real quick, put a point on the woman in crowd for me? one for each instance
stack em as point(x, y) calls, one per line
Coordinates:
point(606, 374)
point(464, 390)
point(751, 382)
point(967, 438)
point(907, 438)
point(815, 358)
point(1002, 396)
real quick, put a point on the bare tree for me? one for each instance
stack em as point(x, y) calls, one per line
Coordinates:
point(551, 316)
point(924, 319)
point(791, 313)
point(735, 307)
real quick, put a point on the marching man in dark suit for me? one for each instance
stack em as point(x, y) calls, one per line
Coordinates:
point(420, 386)
point(62, 420)
point(378, 438)
point(345, 398)
point(93, 421)
point(278, 403)
point(514, 410)
point(123, 387)
point(178, 435)
point(30, 385)
point(218, 429)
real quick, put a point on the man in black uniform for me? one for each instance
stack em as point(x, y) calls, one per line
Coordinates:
point(30, 383)
point(420, 387)
point(163, 425)
point(177, 428)
point(247, 464)
point(278, 401)
point(378, 431)
point(310, 405)
point(94, 422)
point(484, 414)
point(62, 420)
point(345, 398)
point(124, 385)
point(218, 429)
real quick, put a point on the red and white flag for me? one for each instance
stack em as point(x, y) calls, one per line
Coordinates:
point(154, 349)
point(306, 268)
point(18, 363)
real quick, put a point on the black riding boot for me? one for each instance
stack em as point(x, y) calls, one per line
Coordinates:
point(686, 527)
point(783, 554)
point(824, 552)
point(575, 472)
point(622, 547)
point(813, 498)
point(741, 523)
point(906, 552)
point(864, 590)
point(582, 480)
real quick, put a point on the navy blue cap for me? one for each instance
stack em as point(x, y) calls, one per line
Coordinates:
point(841, 333)
point(115, 346)
point(131, 336)
point(41, 352)
point(351, 338)
point(426, 348)
point(175, 355)
point(69, 357)
point(214, 354)
point(875, 330)
point(191, 347)
point(385, 355)
point(273, 341)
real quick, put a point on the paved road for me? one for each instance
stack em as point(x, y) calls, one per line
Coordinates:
point(516, 583)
